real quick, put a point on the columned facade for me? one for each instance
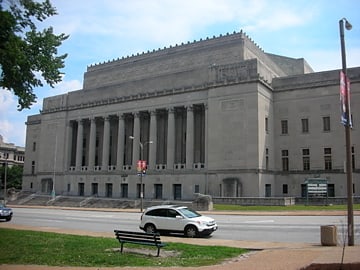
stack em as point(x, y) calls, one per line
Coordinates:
point(183, 142)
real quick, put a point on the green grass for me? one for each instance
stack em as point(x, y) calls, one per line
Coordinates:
point(54, 249)
point(224, 207)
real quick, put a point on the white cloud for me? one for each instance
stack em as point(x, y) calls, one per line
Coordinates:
point(12, 126)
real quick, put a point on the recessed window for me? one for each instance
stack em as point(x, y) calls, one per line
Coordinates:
point(305, 125)
point(284, 127)
point(327, 159)
point(306, 159)
point(285, 160)
point(326, 123)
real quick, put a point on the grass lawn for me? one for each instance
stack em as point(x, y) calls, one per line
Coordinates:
point(54, 249)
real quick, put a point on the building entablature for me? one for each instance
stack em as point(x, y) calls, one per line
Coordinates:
point(217, 75)
point(318, 79)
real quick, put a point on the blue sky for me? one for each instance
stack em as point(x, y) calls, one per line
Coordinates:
point(105, 30)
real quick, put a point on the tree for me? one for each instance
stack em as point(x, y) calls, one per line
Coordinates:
point(13, 176)
point(28, 56)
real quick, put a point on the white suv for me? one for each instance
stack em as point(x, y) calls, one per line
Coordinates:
point(178, 219)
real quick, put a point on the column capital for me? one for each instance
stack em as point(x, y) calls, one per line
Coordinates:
point(171, 109)
point(189, 107)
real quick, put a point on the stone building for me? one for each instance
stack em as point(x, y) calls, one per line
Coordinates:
point(217, 116)
point(11, 154)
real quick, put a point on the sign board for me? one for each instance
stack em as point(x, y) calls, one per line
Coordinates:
point(316, 188)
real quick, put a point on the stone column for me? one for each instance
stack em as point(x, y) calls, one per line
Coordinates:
point(92, 144)
point(68, 145)
point(106, 144)
point(190, 137)
point(79, 144)
point(153, 139)
point(120, 143)
point(170, 151)
point(136, 140)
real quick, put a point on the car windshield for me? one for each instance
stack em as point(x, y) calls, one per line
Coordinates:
point(189, 213)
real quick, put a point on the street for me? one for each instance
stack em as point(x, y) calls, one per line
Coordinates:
point(301, 229)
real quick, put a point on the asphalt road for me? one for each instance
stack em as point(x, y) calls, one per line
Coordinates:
point(301, 229)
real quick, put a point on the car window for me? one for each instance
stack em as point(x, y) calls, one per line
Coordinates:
point(157, 212)
point(172, 213)
point(189, 213)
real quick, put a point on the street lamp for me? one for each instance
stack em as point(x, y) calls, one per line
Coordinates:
point(347, 125)
point(5, 179)
point(141, 171)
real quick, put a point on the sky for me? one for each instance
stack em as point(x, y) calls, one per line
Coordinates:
point(105, 30)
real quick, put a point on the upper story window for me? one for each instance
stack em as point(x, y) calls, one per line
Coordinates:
point(306, 159)
point(327, 159)
point(266, 125)
point(285, 160)
point(326, 123)
point(305, 125)
point(34, 146)
point(284, 127)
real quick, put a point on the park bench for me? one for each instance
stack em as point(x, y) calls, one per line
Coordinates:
point(149, 239)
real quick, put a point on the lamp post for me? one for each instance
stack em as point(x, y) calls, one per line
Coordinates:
point(347, 125)
point(141, 171)
point(5, 179)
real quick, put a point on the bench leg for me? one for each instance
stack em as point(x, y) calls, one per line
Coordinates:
point(121, 249)
point(158, 253)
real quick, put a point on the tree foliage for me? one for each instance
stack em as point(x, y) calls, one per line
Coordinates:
point(28, 56)
point(13, 176)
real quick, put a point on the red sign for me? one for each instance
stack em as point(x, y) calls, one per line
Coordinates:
point(141, 166)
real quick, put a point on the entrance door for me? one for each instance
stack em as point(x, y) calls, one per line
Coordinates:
point(81, 187)
point(109, 190)
point(177, 191)
point(268, 190)
point(158, 191)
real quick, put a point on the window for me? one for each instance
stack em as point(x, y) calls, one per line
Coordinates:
point(285, 160)
point(284, 127)
point(306, 159)
point(305, 125)
point(197, 189)
point(326, 123)
point(327, 158)
point(285, 189)
point(32, 167)
point(267, 159)
point(266, 125)
point(34, 146)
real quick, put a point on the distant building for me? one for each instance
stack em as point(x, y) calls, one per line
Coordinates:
point(11, 154)
point(217, 116)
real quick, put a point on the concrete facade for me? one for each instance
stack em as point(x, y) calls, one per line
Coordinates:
point(11, 154)
point(217, 116)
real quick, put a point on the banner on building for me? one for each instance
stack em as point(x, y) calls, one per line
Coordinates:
point(345, 100)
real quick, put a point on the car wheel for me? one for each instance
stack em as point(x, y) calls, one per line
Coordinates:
point(8, 218)
point(190, 231)
point(150, 228)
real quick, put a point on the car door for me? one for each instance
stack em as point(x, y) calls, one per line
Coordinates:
point(175, 221)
